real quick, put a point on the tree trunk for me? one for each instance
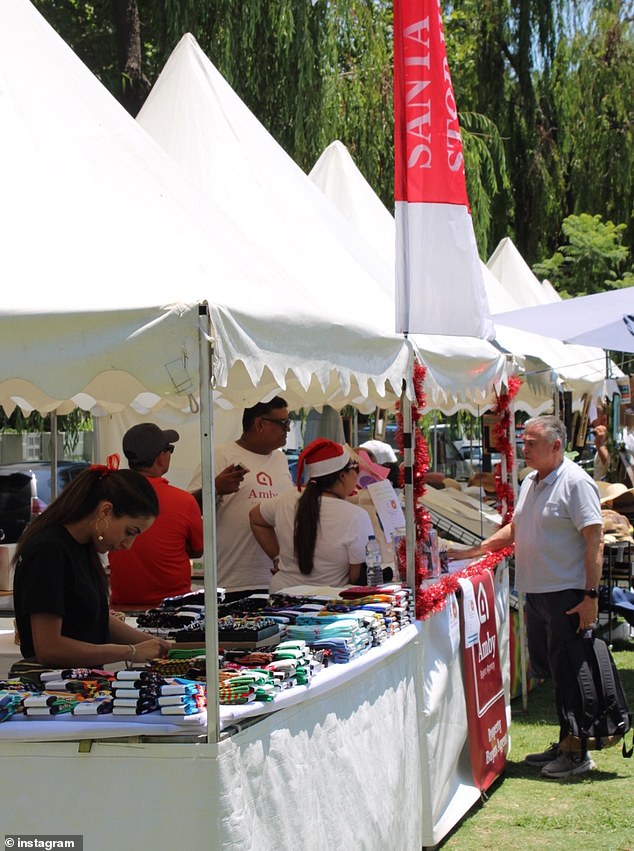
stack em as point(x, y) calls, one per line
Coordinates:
point(134, 84)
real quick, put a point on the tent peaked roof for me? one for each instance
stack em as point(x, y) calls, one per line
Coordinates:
point(108, 250)
point(339, 178)
point(200, 121)
point(509, 267)
point(198, 118)
point(581, 367)
point(341, 181)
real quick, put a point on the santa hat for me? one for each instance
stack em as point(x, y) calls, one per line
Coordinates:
point(321, 457)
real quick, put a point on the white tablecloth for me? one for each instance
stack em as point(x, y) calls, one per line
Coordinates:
point(374, 756)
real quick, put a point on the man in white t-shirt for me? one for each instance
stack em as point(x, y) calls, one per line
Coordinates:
point(252, 470)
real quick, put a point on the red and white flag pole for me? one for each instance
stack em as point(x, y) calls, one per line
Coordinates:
point(439, 281)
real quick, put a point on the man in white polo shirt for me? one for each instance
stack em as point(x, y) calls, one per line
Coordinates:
point(557, 531)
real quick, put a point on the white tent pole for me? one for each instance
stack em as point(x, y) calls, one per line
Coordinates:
point(555, 386)
point(408, 472)
point(53, 448)
point(522, 630)
point(209, 520)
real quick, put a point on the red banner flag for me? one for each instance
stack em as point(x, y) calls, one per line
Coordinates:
point(484, 692)
point(439, 280)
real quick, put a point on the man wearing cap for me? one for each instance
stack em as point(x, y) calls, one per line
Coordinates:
point(159, 564)
point(252, 470)
point(557, 533)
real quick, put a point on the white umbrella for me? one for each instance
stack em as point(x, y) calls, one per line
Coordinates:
point(603, 319)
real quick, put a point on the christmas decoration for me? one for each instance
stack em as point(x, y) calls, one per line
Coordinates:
point(422, 520)
point(433, 598)
point(501, 432)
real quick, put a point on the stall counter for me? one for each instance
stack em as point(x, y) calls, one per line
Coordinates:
point(379, 758)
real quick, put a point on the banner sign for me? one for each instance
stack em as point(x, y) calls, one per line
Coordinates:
point(486, 711)
point(439, 279)
point(429, 161)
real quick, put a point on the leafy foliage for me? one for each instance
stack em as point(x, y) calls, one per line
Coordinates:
point(592, 88)
point(544, 89)
point(70, 425)
point(591, 259)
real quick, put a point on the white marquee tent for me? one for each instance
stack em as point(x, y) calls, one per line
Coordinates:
point(201, 122)
point(106, 258)
point(543, 361)
point(107, 253)
point(336, 174)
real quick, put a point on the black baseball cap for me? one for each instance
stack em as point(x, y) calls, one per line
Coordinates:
point(143, 442)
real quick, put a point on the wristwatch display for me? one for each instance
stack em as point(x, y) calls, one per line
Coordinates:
point(592, 593)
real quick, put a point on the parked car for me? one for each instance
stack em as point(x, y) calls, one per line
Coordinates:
point(25, 491)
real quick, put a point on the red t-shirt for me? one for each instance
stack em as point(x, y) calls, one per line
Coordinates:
point(158, 564)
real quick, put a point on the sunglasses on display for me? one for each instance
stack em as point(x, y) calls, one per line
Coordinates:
point(285, 424)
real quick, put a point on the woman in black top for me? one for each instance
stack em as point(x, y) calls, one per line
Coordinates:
point(60, 590)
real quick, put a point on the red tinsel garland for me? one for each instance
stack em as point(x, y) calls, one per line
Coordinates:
point(501, 431)
point(422, 520)
point(433, 598)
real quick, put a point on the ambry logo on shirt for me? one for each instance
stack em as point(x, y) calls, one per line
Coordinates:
point(265, 490)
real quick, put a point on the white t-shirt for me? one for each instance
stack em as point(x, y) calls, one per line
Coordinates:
point(242, 563)
point(343, 532)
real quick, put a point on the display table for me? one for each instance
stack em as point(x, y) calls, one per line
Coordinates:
point(340, 766)
point(373, 754)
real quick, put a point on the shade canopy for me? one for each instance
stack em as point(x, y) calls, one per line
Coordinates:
point(602, 319)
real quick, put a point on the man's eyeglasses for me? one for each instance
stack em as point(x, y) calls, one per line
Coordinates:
point(285, 423)
point(169, 449)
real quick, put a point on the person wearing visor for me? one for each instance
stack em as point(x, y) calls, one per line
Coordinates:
point(159, 566)
point(318, 537)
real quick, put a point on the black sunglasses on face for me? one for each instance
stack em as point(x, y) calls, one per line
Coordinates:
point(286, 423)
point(351, 466)
point(169, 449)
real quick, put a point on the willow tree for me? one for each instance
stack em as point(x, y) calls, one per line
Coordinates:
point(311, 70)
point(593, 89)
point(508, 48)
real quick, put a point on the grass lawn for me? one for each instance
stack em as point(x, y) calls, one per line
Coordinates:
point(594, 812)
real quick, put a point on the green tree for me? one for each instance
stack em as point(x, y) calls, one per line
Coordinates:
point(591, 260)
point(593, 92)
point(311, 71)
point(507, 50)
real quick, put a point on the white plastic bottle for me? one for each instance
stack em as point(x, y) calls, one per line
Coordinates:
point(373, 561)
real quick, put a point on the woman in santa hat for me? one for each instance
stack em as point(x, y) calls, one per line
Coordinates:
point(317, 538)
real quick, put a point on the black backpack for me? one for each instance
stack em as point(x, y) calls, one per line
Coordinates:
point(594, 704)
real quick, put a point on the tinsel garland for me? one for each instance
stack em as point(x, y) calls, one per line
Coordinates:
point(501, 431)
point(433, 598)
point(422, 520)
